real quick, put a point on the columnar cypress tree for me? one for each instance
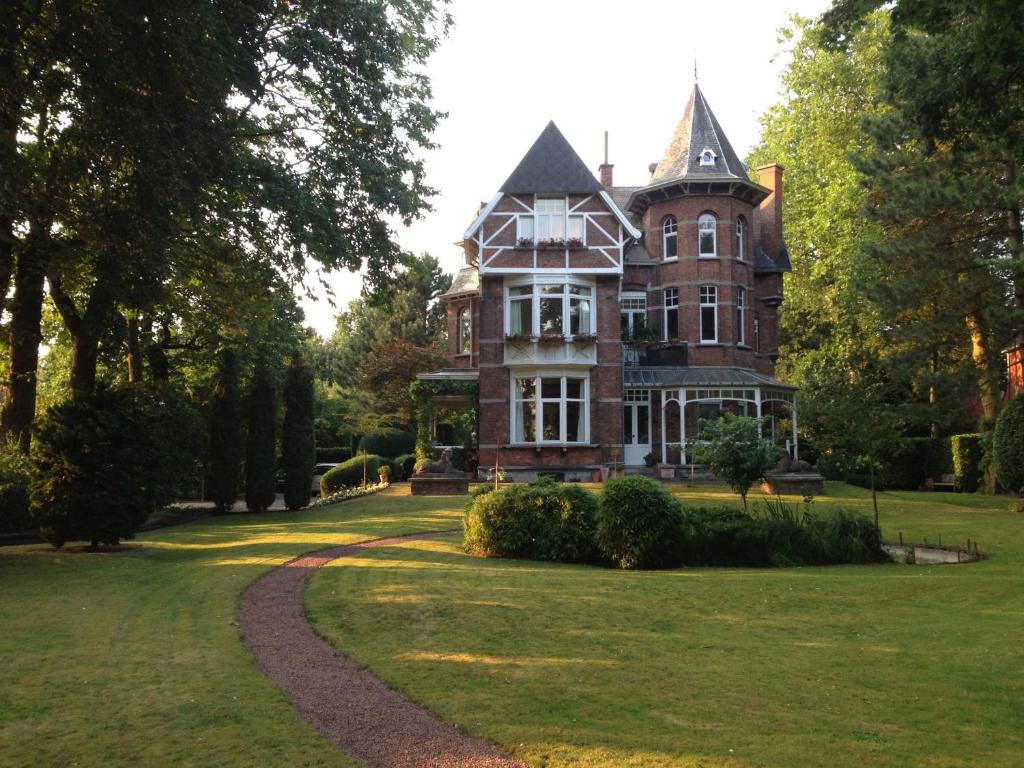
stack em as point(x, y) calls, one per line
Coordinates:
point(259, 447)
point(225, 434)
point(298, 450)
point(1008, 446)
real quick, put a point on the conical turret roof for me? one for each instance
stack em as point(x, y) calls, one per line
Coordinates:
point(697, 131)
point(551, 165)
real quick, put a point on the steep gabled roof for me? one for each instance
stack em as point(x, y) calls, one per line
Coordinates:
point(698, 130)
point(551, 165)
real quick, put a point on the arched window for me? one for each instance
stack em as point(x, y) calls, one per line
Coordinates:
point(465, 332)
point(669, 230)
point(741, 237)
point(707, 242)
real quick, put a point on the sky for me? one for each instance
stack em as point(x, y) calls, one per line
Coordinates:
point(506, 69)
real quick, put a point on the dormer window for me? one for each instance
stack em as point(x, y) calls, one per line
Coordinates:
point(708, 157)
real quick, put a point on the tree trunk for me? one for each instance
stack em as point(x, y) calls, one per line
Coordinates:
point(874, 493)
point(988, 389)
point(85, 348)
point(134, 351)
point(24, 337)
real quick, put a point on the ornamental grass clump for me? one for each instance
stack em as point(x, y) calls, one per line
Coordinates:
point(539, 521)
point(640, 525)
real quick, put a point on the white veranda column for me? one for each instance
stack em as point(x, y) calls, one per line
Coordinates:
point(757, 403)
point(682, 427)
point(664, 450)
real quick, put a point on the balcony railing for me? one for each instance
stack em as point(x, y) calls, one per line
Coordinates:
point(664, 354)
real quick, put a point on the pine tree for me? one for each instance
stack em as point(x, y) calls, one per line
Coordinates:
point(225, 435)
point(260, 440)
point(298, 450)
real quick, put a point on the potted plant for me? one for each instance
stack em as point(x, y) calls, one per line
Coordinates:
point(649, 460)
point(384, 473)
point(524, 242)
point(574, 242)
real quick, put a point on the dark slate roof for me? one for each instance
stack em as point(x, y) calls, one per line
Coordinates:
point(551, 165)
point(637, 254)
point(698, 129)
point(466, 281)
point(764, 263)
point(706, 376)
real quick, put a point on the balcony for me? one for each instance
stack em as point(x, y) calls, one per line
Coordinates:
point(666, 354)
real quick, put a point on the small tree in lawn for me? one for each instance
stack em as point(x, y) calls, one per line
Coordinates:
point(225, 434)
point(735, 452)
point(1008, 446)
point(298, 451)
point(260, 441)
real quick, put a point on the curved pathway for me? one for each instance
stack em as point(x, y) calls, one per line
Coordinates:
point(345, 701)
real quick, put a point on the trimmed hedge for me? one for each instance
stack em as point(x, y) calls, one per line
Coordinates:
point(387, 442)
point(334, 454)
point(912, 461)
point(1008, 446)
point(406, 465)
point(640, 524)
point(968, 451)
point(540, 521)
point(350, 473)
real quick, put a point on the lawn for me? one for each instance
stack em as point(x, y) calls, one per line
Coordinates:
point(134, 657)
point(579, 666)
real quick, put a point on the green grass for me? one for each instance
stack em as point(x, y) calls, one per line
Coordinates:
point(580, 666)
point(135, 658)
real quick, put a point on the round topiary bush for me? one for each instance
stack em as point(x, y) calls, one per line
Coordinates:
point(1008, 446)
point(540, 521)
point(639, 524)
point(387, 442)
point(350, 473)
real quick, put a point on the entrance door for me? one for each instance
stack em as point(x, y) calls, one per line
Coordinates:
point(636, 426)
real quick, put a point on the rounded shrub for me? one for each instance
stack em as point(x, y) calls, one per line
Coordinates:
point(15, 481)
point(350, 473)
point(387, 442)
point(640, 525)
point(540, 521)
point(405, 465)
point(1008, 446)
point(968, 452)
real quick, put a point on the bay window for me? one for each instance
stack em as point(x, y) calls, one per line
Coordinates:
point(549, 409)
point(563, 307)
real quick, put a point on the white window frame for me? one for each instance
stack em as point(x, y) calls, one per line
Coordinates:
point(702, 226)
point(669, 302)
point(708, 156)
point(547, 219)
point(741, 315)
point(741, 237)
point(631, 305)
point(538, 410)
point(568, 282)
point(708, 298)
point(669, 230)
point(465, 331)
point(526, 228)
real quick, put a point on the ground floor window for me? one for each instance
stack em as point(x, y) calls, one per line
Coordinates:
point(549, 409)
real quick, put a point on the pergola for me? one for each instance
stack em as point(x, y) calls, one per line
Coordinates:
point(710, 384)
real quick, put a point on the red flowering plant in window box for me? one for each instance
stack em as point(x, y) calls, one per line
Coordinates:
point(552, 242)
point(520, 337)
point(574, 242)
point(551, 337)
point(524, 242)
point(584, 338)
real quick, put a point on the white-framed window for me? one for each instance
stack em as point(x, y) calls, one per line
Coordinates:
point(741, 316)
point(550, 409)
point(525, 229)
point(550, 213)
point(550, 305)
point(741, 237)
point(465, 331)
point(671, 327)
point(669, 238)
point(633, 309)
point(707, 240)
point(708, 314)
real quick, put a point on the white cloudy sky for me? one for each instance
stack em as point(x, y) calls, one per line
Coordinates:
point(626, 68)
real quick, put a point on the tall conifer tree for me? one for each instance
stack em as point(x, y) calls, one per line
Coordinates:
point(260, 439)
point(298, 449)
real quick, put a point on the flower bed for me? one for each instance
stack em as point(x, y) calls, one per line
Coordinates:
point(345, 494)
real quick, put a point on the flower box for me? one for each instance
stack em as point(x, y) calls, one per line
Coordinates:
point(551, 338)
point(585, 338)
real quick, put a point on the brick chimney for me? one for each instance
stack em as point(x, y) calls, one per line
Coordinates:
point(769, 212)
point(605, 169)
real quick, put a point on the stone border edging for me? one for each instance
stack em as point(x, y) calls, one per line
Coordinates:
point(343, 700)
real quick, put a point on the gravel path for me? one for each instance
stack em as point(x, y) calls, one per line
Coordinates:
point(346, 702)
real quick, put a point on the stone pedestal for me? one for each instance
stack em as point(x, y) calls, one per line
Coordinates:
point(438, 484)
point(794, 484)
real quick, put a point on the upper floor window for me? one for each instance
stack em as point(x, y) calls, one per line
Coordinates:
point(634, 313)
point(741, 237)
point(465, 331)
point(707, 157)
point(549, 221)
point(707, 238)
point(671, 313)
point(708, 314)
point(669, 232)
point(741, 315)
point(550, 308)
